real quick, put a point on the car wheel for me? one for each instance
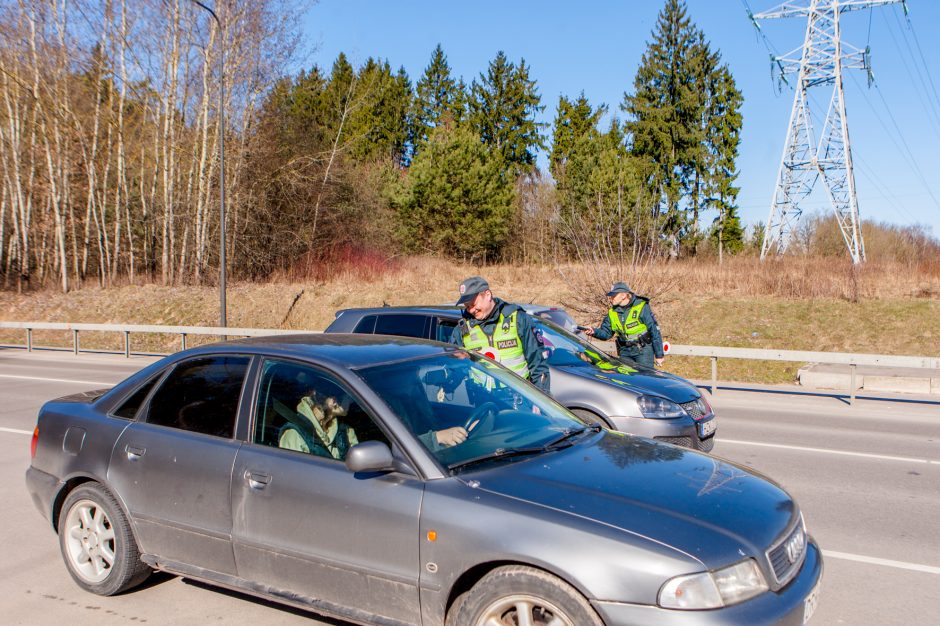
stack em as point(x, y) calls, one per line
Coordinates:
point(97, 544)
point(517, 594)
point(591, 417)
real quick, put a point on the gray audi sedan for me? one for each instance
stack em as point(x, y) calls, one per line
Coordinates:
point(590, 383)
point(324, 472)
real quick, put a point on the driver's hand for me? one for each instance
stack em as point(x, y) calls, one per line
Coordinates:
point(451, 436)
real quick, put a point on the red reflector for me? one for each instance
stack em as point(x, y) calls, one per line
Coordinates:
point(34, 443)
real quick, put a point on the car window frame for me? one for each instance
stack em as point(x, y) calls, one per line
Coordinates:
point(157, 379)
point(252, 409)
point(141, 415)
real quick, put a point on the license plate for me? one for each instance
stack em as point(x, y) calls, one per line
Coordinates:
point(707, 428)
point(809, 605)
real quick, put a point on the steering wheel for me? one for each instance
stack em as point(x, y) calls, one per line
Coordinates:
point(482, 420)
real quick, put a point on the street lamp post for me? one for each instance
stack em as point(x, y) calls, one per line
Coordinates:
point(222, 320)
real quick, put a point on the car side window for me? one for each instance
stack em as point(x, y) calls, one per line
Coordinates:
point(402, 325)
point(128, 409)
point(201, 395)
point(304, 409)
point(445, 328)
point(366, 325)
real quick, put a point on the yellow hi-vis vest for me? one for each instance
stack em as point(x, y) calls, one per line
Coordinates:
point(632, 328)
point(504, 347)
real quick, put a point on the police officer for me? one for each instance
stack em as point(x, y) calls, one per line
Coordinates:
point(503, 328)
point(632, 321)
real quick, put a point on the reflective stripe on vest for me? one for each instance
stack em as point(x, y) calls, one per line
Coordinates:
point(504, 347)
point(631, 327)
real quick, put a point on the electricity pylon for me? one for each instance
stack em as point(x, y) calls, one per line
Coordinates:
point(806, 159)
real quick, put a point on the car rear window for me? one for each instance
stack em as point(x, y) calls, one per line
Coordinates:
point(201, 395)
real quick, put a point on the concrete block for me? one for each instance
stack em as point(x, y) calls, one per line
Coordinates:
point(908, 384)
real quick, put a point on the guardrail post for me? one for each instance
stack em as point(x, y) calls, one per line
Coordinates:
point(29, 339)
point(714, 375)
point(127, 344)
point(183, 340)
point(75, 340)
point(852, 383)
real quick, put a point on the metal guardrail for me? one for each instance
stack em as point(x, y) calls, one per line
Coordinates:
point(712, 352)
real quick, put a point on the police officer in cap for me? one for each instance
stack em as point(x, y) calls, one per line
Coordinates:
point(632, 321)
point(502, 328)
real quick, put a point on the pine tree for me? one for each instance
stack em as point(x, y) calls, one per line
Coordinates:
point(575, 124)
point(723, 136)
point(455, 199)
point(664, 113)
point(502, 110)
point(439, 101)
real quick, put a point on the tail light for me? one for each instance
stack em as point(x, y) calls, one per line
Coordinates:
point(34, 443)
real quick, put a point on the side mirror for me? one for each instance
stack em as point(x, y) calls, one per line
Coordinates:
point(369, 456)
point(436, 378)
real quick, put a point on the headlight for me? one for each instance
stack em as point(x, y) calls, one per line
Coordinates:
point(654, 406)
point(711, 590)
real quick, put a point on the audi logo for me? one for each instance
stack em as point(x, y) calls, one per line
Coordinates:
point(795, 545)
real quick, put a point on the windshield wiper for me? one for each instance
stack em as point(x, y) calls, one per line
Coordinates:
point(498, 453)
point(570, 434)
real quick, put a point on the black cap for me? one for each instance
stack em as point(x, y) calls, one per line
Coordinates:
point(470, 287)
point(618, 288)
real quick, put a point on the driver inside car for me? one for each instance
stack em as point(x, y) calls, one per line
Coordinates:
point(407, 398)
point(326, 436)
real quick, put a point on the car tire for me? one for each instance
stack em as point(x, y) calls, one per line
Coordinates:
point(591, 417)
point(97, 544)
point(499, 596)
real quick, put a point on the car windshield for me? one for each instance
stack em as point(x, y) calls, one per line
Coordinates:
point(503, 415)
point(565, 348)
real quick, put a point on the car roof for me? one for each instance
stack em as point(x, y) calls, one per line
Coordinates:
point(439, 309)
point(342, 350)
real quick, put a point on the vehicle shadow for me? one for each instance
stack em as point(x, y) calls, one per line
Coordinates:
point(283, 608)
point(835, 395)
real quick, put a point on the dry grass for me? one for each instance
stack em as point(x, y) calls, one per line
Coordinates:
point(794, 303)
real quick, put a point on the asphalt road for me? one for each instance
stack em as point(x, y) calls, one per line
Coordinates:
point(867, 477)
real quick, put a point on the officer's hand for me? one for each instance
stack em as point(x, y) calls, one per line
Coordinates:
point(589, 332)
point(659, 361)
point(451, 436)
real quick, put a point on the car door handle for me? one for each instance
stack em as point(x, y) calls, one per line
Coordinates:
point(134, 453)
point(257, 480)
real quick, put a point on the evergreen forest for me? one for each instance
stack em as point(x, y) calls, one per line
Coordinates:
point(109, 140)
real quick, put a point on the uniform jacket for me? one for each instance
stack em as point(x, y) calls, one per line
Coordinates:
point(605, 332)
point(531, 344)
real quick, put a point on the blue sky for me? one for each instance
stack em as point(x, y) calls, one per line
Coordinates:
point(596, 47)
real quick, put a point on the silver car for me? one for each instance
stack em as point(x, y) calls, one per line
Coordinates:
point(590, 383)
point(218, 464)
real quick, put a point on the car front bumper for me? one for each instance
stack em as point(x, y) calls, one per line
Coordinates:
point(682, 431)
point(785, 607)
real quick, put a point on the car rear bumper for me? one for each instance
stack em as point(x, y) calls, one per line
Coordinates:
point(782, 608)
point(42, 488)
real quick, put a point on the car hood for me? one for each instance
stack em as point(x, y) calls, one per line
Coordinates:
point(641, 381)
point(709, 508)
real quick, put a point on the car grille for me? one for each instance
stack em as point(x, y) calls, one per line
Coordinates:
point(696, 409)
point(787, 555)
point(685, 442)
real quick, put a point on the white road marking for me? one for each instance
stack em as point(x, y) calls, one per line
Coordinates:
point(929, 569)
point(866, 455)
point(15, 431)
point(59, 380)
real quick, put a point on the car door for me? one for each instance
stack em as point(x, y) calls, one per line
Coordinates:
point(173, 466)
point(306, 525)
